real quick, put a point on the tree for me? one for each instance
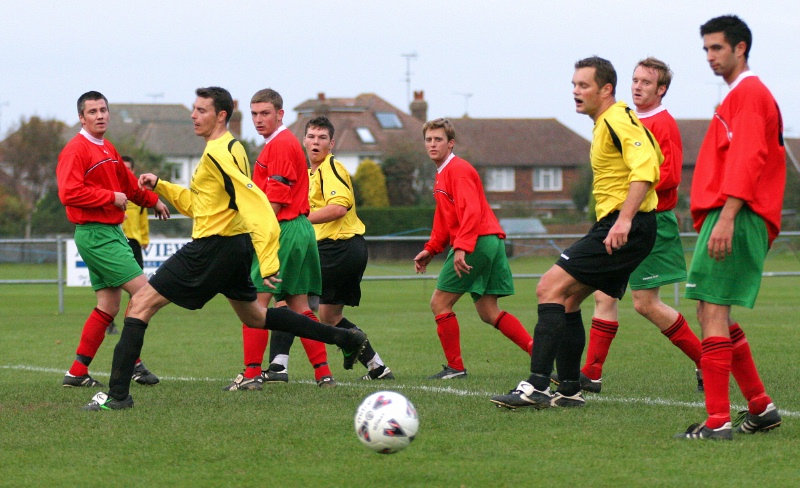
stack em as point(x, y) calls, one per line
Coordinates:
point(582, 192)
point(370, 185)
point(11, 214)
point(30, 155)
point(409, 173)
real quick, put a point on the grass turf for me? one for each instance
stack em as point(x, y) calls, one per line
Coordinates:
point(187, 432)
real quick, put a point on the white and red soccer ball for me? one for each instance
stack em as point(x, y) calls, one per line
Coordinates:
point(386, 422)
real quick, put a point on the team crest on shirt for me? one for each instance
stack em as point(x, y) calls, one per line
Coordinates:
point(637, 143)
point(249, 185)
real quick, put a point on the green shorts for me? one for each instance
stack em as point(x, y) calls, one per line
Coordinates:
point(735, 280)
point(490, 273)
point(105, 250)
point(299, 258)
point(666, 263)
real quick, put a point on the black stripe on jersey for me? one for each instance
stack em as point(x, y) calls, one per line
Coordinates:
point(229, 189)
point(646, 132)
point(281, 179)
point(614, 137)
point(780, 125)
point(230, 146)
point(321, 185)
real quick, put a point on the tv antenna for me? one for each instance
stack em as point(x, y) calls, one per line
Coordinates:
point(466, 96)
point(155, 96)
point(408, 57)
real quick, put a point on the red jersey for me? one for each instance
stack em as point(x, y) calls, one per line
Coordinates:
point(89, 171)
point(743, 155)
point(665, 130)
point(462, 212)
point(282, 173)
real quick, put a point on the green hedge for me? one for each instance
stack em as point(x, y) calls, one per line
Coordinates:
point(381, 221)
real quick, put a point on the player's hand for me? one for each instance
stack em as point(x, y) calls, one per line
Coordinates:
point(120, 200)
point(720, 242)
point(161, 210)
point(148, 181)
point(460, 262)
point(617, 235)
point(421, 261)
point(270, 281)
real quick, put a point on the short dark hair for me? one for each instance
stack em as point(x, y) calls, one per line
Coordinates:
point(660, 67)
point(440, 123)
point(734, 29)
point(268, 95)
point(90, 95)
point(128, 159)
point(320, 122)
point(221, 97)
point(604, 72)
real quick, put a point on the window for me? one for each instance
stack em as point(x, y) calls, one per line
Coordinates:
point(389, 120)
point(365, 135)
point(547, 179)
point(500, 179)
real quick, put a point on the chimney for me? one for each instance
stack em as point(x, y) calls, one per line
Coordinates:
point(235, 125)
point(322, 107)
point(419, 107)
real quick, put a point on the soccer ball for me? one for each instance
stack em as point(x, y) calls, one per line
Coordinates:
point(386, 422)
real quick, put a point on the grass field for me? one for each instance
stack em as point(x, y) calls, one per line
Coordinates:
point(187, 432)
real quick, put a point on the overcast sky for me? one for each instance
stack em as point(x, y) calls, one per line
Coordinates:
point(489, 59)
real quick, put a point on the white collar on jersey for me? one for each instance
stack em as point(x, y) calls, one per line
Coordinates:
point(91, 138)
point(449, 158)
point(657, 110)
point(742, 75)
point(272, 136)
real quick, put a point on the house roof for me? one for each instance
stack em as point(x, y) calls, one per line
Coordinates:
point(519, 142)
point(162, 128)
point(349, 114)
point(692, 133)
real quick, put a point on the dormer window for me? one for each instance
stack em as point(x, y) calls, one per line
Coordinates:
point(389, 120)
point(365, 135)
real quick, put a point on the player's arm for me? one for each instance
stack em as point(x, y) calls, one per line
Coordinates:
point(720, 242)
point(178, 196)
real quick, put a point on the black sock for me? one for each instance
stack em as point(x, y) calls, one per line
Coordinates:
point(546, 338)
point(368, 353)
point(280, 343)
point(570, 351)
point(127, 351)
point(283, 319)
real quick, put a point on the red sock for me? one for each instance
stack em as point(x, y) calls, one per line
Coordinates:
point(600, 336)
point(512, 328)
point(316, 352)
point(94, 331)
point(450, 337)
point(716, 365)
point(255, 343)
point(682, 336)
point(745, 373)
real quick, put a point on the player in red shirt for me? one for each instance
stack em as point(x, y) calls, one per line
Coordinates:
point(281, 172)
point(477, 260)
point(94, 186)
point(737, 194)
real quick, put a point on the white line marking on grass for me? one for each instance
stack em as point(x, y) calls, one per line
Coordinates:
point(449, 390)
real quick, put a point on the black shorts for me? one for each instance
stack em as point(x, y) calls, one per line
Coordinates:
point(207, 266)
point(343, 263)
point(137, 252)
point(588, 261)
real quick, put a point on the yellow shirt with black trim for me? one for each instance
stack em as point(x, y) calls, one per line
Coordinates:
point(330, 185)
point(224, 201)
point(136, 226)
point(623, 150)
